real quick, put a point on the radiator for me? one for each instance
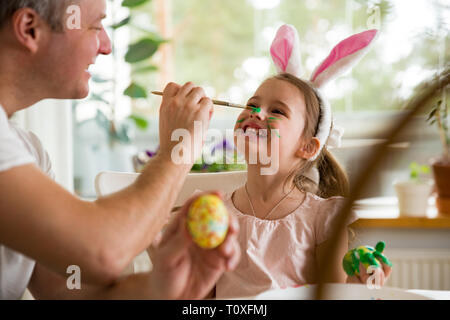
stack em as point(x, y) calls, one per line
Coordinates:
point(426, 269)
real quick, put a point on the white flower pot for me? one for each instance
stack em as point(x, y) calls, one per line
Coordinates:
point(413, 197)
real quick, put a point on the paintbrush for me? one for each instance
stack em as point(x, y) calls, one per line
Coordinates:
point(217, 102)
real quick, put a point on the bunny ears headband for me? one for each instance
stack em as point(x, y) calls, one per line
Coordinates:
point(285, 52)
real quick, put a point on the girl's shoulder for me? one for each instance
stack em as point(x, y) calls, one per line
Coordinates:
point(319, 199)
point(320, 205)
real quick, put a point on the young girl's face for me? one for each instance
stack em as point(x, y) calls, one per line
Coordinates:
point(281, 106)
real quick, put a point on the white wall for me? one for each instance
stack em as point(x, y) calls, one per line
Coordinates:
point(51, 121)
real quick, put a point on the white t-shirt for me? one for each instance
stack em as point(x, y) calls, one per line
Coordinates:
point(18, 147)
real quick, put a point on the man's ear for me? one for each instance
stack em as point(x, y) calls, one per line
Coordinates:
point(28, 27)
point(308, 150)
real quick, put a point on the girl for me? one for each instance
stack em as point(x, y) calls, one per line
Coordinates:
point(286, 218)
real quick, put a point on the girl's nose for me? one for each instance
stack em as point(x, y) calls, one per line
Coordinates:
point(261, 116)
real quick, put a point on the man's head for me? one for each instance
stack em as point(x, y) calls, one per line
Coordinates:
point(51, 56)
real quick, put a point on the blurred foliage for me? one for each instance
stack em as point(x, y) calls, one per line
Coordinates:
point(416, 171)
point(139, 55)
point(439, 116)
point(213, 38)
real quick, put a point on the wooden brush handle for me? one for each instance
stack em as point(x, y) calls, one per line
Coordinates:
point(216, 102)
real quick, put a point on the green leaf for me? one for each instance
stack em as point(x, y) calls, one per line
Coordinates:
point(97, 97)
point(432, 113)
point(425, 169)
point(122, 134)
point(140, 122)
point(97, 79)
point(102, 120)
point(133, 3)
point(121, 23)
point(150, 68)
point(141, 50)
point(414, 174)
point(135, 91)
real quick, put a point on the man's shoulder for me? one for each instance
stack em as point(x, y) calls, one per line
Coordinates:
point(28, 146)
point(28, 137)
point(35, 147)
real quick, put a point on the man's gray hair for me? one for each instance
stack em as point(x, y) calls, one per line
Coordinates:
point(52, 11)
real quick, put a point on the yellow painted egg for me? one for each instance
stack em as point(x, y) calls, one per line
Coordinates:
point(207, 221)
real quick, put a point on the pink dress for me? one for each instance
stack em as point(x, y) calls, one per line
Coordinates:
point(279, 253)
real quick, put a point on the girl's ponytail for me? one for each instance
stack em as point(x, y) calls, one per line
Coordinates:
point(333, 179)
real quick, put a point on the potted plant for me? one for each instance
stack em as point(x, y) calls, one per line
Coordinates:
point(413, 194)
point(441, 165)
point(222, 158)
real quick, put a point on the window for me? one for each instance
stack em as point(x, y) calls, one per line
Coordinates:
point(224, 47)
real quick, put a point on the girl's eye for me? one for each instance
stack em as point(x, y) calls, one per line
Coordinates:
point(251, 106)
point(278, 111)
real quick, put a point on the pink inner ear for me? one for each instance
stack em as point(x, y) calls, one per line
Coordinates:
point(282, 46)
point(345, 48)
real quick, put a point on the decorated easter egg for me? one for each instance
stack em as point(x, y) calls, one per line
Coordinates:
point(207, 221)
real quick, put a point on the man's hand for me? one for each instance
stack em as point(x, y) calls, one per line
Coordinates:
point(183, 270)
point(181, 107)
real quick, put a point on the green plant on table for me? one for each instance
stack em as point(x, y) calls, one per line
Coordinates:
point(416, 170)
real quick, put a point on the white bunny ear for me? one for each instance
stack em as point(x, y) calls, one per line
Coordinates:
point(285, 51)
point(343, 57)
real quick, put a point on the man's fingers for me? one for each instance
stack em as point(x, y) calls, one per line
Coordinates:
point(228, 247)
point(206, 106)
point(171, 230)
point(387, 270)
point(174, 245)
point(363, 275)
point(196, 95)
point(185, 89)
point(235, 257)
point(171, 89)
point(234, 225)
point(354, 279)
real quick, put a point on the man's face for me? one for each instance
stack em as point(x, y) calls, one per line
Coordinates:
point(67, 56)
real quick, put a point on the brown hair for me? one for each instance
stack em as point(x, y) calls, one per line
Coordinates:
point(333, 178)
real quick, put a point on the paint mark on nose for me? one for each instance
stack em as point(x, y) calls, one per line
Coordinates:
point(256, 110)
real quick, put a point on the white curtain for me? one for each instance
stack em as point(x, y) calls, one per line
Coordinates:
point(51, 121)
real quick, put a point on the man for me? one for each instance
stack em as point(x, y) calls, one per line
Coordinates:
point(40, 58)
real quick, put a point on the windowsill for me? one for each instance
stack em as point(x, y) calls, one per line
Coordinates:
point(383, 213)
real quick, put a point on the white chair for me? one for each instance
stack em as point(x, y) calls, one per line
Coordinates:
point(107, 183)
